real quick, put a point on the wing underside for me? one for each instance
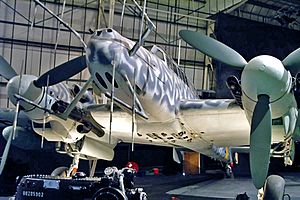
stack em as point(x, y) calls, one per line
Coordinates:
point(219, 121)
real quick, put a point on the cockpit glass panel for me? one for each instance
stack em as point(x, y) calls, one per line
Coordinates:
point(159, 54)
point(98, 32)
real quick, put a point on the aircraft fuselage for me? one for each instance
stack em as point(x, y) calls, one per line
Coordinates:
point(158, 88)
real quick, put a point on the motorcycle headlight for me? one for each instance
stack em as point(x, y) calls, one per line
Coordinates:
point(108, 171)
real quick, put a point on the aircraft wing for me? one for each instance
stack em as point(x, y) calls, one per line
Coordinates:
point(219, 121)
point(122, 124)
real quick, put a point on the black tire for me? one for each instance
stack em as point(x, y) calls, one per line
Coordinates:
point(143, 196)
point(60, 171)
point(228, 172)
point(109, 193)
point(274, 188)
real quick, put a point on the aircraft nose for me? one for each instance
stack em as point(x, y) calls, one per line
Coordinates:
point(90, 51)
point(99, 51)
point(103, 33)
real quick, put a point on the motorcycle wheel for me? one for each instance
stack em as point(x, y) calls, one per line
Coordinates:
point(109, 193)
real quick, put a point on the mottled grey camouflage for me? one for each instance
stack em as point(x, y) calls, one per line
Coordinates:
point(157, 84)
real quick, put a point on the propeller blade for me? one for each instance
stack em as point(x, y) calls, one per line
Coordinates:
point(260, 141)
point(62, 72)
point(292, 61)
point(6, 70)
point(5, 152)
point(213, 48)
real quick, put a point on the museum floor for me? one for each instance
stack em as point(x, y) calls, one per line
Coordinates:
point(209, 186)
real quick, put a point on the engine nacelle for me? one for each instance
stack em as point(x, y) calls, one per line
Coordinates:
point(27, 139)
point(96, 149)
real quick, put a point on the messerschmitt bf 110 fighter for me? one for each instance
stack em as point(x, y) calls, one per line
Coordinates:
point(156, 103)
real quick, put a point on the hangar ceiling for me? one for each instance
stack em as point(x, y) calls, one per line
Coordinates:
point(284, 13)
point(29, 39)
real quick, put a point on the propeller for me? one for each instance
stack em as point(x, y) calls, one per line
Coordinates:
point(67, 69)
point(56, 75)
point(213, 48)
point(6, 70)
point(260, 140)
point(62, 72)
point(292, 61)
point(5, 152)
point(11, 136)
point(52, 77)
point(261, 122)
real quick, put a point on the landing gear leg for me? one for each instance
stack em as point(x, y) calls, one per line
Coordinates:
point(228, 171)
point(260, 194)
point(93, 164)
point(289, 152)
point(74, 166)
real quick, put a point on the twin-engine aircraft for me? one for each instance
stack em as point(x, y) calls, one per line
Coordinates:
point(148, 83)
point(156, 104)
point(267, 91)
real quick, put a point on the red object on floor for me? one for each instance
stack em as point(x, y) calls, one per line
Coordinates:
point(155, 170)
point(133, 165)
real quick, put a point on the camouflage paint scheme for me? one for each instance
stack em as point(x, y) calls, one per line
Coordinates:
point(165, 96)
point(168, 111)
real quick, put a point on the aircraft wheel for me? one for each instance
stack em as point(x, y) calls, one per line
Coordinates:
point(228, 171)
point(109, 193)
point(274, 188)
point(60, 171)
point(143, 196)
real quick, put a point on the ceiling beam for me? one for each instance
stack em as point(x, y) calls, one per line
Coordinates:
point(264, 5)
point(234, 6)
point(297, 2)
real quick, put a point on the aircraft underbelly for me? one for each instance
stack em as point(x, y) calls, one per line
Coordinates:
point(220, 122)
point(156, 133)
point(230, 129)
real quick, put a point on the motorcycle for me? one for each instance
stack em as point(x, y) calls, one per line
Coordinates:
point(119, 185)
